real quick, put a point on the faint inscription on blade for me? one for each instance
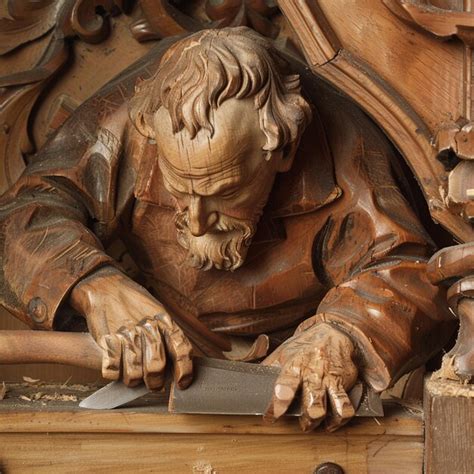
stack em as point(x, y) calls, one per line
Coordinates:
point(222, 387)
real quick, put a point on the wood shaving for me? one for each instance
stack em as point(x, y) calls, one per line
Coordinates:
point(30, 380)
point(45, 397)
point(82, 388)
point(59, 397)
point(64, 385)
point(3, 391)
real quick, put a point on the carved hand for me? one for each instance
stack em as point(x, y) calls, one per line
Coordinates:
point(319, 361)
point(133, 329)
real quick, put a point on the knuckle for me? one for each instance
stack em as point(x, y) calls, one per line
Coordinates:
point(164, 318)
point(147, 325)
point(156, 366)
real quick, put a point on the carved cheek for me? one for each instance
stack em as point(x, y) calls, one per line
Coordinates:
point(238, 212)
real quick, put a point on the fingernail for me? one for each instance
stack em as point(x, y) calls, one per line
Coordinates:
point(316, 412)
point(283, 392)
point(185, 382)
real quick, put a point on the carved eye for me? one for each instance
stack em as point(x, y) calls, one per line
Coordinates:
point(228, 194)
point(170, 188)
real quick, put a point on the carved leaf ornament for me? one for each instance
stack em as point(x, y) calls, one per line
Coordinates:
point(46, 24)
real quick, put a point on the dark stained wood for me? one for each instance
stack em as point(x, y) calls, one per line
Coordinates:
point(449, 427)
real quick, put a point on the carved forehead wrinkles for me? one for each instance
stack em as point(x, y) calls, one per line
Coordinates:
point(234, 170)
point(237, 137)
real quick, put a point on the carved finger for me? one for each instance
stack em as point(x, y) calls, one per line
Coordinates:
point(341, 407)
point(313, 401)
point(111, 357)
point(286, 386)
point(154, 356)
point(180, 350)
point(132, 368)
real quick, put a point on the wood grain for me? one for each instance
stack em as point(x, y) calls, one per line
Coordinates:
point(449, 411)
point(212, 453)
point(59, 437)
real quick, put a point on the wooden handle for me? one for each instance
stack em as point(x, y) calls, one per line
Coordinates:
point(33, 347)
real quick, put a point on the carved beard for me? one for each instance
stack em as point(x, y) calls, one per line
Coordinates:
point(224, 247)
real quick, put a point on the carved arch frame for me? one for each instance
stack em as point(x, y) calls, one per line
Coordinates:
point(328, 58)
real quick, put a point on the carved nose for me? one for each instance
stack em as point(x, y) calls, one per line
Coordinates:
point(199, 220)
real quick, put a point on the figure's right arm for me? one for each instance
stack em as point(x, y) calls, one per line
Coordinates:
point(53, 264)
point(47, 249)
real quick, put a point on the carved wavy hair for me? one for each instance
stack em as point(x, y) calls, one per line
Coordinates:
point(200, 72)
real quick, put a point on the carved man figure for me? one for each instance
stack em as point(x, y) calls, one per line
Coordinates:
point(248, 220)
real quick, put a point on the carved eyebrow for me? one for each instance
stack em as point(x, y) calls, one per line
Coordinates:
point(223, 189)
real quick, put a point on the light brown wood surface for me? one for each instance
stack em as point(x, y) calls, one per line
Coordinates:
point(58, 437)
point(206, 454)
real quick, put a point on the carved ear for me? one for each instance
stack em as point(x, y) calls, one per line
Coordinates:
point(286, 157)
point(144, 124)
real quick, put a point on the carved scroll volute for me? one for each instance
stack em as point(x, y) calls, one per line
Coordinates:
point(252, 13)
point(25, 20)
point(87, 24)
point(44, 24)
point(162, 20)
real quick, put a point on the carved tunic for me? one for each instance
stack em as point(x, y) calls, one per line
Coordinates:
point(336, 237)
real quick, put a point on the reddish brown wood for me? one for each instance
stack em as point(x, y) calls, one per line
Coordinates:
point(449, 421)
point(254, 201)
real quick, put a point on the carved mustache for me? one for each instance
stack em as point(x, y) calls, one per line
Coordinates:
point(223, 224)
point(224, 246)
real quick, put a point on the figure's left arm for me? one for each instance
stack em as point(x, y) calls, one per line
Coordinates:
point(381, 318)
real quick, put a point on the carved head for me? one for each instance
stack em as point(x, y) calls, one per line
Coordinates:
point(226, 118)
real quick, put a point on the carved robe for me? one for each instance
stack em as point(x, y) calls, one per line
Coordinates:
point(337, 238)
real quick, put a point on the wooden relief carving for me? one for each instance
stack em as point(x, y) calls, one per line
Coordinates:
point(433, 135)
point(36, 32)
point(267, 213)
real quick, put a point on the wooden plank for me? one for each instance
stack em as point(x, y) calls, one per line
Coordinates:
point(56, 436)
point(130, 421)
point(449, 442)
point(20, 412)
point(149, 415)
point(205, 453)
